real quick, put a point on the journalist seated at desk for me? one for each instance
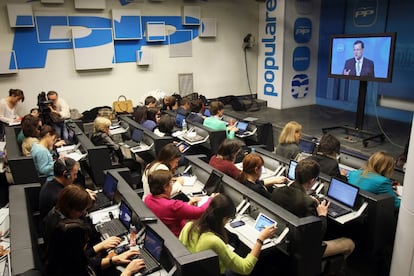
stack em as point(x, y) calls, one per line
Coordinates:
point(289, 138)
point(174, 213)
point(375, 176)
point(226, 156)
point(31, 127)
point(165, 126)
point(215, 122)
point(295, 199)
point(70, 249)
point(327, 155)
point(65, 173)
point(208, 232)
point(252, 171)
point(42, 152)
point(167, 160)
point(101, 137)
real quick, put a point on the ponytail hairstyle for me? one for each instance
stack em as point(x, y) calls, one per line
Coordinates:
point(212, 220)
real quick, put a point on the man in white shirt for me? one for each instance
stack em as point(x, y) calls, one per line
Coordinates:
point(61, 109)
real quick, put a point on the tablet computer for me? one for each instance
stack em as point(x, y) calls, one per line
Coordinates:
point(183, 146)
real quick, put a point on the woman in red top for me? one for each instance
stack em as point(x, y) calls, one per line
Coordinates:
point(173, 213)
point(225, 157)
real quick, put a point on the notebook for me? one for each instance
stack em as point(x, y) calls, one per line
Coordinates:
point(135, 139)
point(105, 198)
point(291, 172)
point(343, 197)
point(214, 184)
point(117, 227)
point(262, 221)
point(151, 251)
point(306, 146)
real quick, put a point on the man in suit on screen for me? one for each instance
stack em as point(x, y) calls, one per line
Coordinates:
point(359, 65)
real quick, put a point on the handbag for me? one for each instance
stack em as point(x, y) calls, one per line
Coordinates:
point(122, 105)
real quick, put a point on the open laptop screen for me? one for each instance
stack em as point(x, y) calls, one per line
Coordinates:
point(213, 184)
point(110, 186)
point(292, 168)
point(343, 192)
point(125, 214)
point(306, 146)
point(153, 243)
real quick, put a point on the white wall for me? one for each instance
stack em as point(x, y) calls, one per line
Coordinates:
point(217, 64)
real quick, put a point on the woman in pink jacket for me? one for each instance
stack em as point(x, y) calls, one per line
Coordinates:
point(173, 213)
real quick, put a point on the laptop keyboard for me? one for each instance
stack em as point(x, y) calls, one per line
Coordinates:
point(150, 264)
point(131, 143)
point(112, 228)
point(335, 210)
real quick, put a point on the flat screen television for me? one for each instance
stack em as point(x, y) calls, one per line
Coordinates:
point(376, 50)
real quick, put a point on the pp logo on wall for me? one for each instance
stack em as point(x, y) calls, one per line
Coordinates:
point(301, 58)
point(302, 30)
point(365, 13)
point(300, 86)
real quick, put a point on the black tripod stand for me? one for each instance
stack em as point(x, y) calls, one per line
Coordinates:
point(358, 131)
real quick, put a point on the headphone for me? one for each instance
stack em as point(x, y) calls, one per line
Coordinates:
point(62, 169)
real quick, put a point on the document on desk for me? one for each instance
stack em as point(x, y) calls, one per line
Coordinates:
point(77, 155)
point(118, 130)
point(69, 148)
point(103, 214)
point(189, 181)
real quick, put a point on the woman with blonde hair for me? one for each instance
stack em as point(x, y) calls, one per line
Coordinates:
point(375, 176)
point(289, 140)
point(100, 137)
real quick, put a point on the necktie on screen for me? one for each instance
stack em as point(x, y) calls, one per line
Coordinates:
point(358, 72)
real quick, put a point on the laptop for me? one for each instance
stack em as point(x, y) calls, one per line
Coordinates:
point(262, 221)
point(343, 197)
point(214, 183)
point(117, 227)
point(106, 197)
point(179, 120)
point(136, 138)
point(307, 147)
point(291, 172)
point(151, 251)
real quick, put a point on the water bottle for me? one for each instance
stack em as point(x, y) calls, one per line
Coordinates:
point(184, 124)
point(132, 236)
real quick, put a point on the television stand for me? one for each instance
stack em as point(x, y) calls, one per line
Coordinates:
point(358, 131)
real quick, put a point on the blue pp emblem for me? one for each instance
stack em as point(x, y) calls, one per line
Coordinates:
point(302, 30)
point(301, 58)
point(300, 86)
point(365, 13)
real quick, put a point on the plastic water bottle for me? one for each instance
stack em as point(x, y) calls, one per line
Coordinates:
point(184, 125)
point(132, 236)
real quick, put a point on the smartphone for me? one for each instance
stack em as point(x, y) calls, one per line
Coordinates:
point(237, 223)
point(121, 249)
point(200, 193)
